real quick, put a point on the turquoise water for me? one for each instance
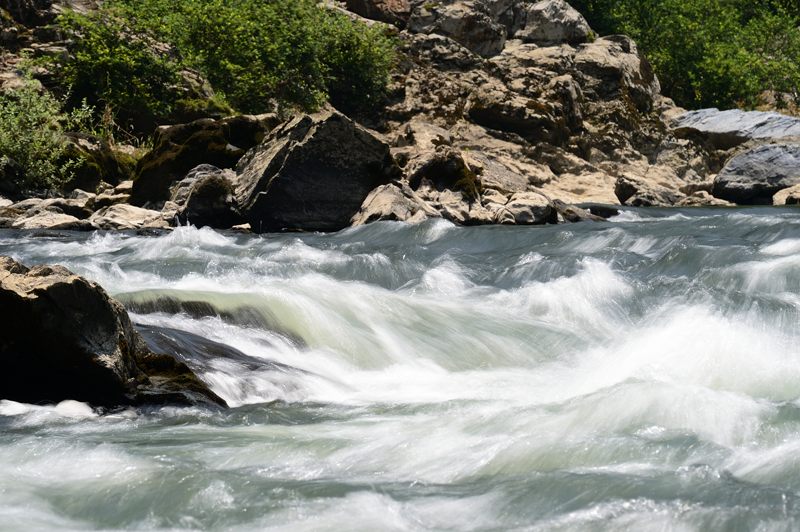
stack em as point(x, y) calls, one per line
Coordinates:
point(638, 374)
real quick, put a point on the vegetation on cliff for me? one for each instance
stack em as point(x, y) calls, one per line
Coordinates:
point(134, 56)
point(711, 53)
point(33, 147)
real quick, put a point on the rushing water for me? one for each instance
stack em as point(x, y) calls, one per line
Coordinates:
point(639, 374)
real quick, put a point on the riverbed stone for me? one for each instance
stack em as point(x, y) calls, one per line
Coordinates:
point(787, 196)
point(122, 217)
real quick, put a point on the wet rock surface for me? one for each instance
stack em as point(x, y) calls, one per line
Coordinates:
point(62, 337)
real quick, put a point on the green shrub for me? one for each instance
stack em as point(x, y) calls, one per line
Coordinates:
point(256, 54)
point(31, 135)
point(117, 68)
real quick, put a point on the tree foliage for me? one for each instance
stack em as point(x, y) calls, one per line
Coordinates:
point(722, 53)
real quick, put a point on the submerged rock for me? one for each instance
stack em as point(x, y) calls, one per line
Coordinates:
point(312, 173)
point(753, 177)
point(62, 337)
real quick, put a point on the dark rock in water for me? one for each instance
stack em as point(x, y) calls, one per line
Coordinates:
point(312, 173)
point(199, 352)
point(726, 129)
point(243, 316)
point(180, 148)
point(641, 193)
point(573, 213)
point(603, 211)
point(754, 176)
point(205, 197)
point(62, 337)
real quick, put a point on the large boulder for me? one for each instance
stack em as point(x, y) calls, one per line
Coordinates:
point(312, 173)
point(753, 177)
point(62, 337)
point(393, 203)
point(726, 129)
point(644, 193)
point(552, 22)
point(182, 147)
point(49, 220)
point(99, 161)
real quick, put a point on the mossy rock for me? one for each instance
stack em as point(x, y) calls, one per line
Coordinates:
point(180, 148)
point(96, 161)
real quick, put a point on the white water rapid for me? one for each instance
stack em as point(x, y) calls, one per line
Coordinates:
point(640, 374)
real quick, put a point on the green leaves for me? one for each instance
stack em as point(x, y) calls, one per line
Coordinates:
point(31, 135)
point(262, 54)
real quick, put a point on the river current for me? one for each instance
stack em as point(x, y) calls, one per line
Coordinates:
point(638, 374)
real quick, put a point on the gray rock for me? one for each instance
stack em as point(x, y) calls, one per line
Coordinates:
point(205, 197)
point(754, 176)
point(393, 203)
point(469, 26)
point(725, 129)
point(527, 208)
point(312, 173)
point(552, 22)
point(644, 193)
point(613, 69)
point(62, 337)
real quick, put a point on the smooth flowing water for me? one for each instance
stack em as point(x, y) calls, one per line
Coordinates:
point(639, 374)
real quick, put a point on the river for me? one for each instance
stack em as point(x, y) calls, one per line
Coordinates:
point(637, 374)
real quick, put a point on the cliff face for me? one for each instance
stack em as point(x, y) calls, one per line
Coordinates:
point(499, 111)
point(533, 101)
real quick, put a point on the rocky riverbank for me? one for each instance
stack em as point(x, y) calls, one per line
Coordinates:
point(499, 111)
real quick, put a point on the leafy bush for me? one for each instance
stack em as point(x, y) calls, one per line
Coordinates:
point(31, 137)
point(706, 53)
point(115, 68)
point(255, 53)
